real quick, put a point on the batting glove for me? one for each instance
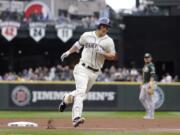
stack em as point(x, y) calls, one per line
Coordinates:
point(99, 50)
point(64, 55)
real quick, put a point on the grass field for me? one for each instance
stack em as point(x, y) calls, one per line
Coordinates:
point(60, 132)
point(52, 114)
point(57, 115)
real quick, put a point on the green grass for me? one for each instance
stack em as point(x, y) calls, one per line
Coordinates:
point(46, 114)
point(75, 132)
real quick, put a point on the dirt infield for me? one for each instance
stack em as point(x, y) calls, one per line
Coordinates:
point(104, 124)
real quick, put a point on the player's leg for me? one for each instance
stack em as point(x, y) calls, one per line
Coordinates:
point(142, 97)
point(67, 100)
point(79, 75)
point(81, 79)
point(89, 80)
point(92, 80)
point(151, 105)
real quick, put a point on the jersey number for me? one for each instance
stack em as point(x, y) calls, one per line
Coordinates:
point(9, 31)
point(37, 32)
point(65, 32)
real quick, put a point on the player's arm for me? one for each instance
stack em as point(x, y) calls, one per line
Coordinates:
point(151, 86)
point(110, 55)
point(152, 81)
point(75, 48)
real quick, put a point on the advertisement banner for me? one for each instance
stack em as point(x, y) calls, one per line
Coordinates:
point(49, 96)
point(102, 97)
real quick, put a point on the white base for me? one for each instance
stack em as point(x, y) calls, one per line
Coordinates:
point(22, 124)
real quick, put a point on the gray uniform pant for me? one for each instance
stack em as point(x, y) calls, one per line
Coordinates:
point(147, 99)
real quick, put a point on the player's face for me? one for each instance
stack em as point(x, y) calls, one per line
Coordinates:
point(147, 59)
point(103, 30)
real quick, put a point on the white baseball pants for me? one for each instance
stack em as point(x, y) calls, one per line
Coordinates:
point(84, 79)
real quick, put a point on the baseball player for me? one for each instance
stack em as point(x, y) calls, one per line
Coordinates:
point(97, 46)
point(148, 86)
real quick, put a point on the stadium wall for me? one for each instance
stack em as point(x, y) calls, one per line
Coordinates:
point(115, 96)
point(158, 35)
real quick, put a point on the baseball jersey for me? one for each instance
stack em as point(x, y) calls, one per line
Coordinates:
point(148, 71)
point(90, 41)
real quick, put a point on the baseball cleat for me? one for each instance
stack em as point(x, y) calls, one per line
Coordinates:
point(78, 121)
point(62, 106)
point(148, 117)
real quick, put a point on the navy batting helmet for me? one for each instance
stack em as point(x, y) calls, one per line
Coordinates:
point(103, 21)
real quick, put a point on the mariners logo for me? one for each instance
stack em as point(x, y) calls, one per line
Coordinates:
point(158, 97)
point(20, 96)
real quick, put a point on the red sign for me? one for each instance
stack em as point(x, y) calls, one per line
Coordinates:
point(37, 7)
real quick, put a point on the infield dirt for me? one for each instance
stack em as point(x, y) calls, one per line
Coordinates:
point(104, 124)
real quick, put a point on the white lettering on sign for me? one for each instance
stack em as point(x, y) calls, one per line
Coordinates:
point(56, 95)
point(47, 95)
point(101, 96)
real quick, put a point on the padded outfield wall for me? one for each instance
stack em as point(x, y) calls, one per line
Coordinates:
point(115, 96)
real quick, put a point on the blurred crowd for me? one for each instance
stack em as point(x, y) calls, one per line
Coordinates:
point(63, 18)
point(65, 73)
point(9, 15)
point(145, 8)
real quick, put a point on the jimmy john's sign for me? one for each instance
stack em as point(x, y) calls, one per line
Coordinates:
point(22, 96)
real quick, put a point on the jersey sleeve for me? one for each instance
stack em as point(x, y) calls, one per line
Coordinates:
point(111, 46)
point(152, 69)
point(82, 39)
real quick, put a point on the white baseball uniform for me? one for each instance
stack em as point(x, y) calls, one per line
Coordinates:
point(89, 67)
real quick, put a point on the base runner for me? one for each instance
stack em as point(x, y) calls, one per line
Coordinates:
point(97, 47)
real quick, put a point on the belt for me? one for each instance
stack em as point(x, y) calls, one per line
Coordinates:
point(90, 68)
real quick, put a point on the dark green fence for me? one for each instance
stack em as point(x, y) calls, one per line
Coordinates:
point(103, 96)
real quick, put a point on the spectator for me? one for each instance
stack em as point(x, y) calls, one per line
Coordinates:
point(167, 78)
point(93, 21)
point(105, 12)
point(6, 15)
point(65, 74)
point(133, 74)
point(51, 75)
point(176, 78)
point(105, 76)
point(86, 22)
